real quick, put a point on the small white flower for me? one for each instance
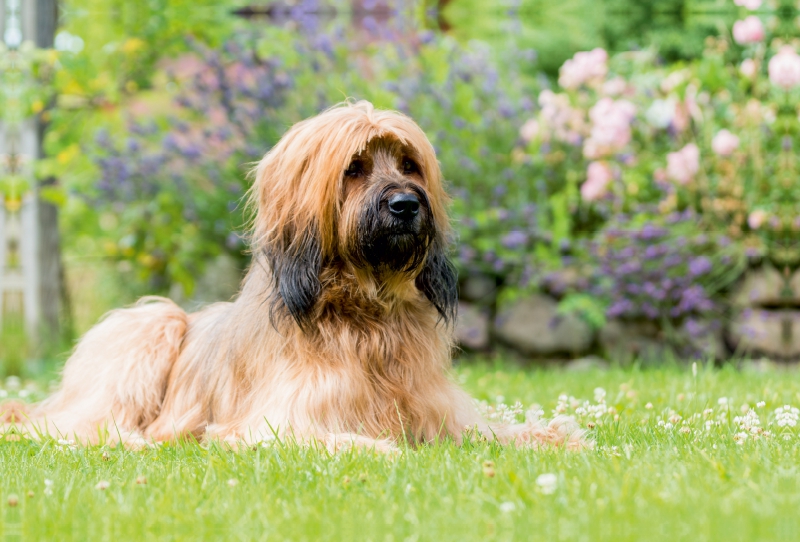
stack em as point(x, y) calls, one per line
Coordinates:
point(507, 507)
point(649, 406)
point(547, 482)
point(599, 395)
point(761, 404)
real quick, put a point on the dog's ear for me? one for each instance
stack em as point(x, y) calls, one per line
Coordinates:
point(438, 280)
point(296, 266)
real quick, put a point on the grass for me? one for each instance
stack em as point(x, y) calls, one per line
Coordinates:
point(644, 480)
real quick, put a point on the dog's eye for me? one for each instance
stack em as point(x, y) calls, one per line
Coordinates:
point(355, 169)
point(409, 166)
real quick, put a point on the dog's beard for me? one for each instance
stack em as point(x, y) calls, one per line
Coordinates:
point(387, 243)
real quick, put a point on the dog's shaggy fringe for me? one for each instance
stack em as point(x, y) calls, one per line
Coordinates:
point(315, 347)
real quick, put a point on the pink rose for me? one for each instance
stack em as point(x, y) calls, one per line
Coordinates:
point(683, 165)
point(784, 68)
point(749, 30)
point(559, 118)
point(756, 219)
point(748, 68)
point(614, 87)
point(598, 177)
point(611, 127)
point(724, 143)
point(584, 67)
point(749, 4)
point(529, 130)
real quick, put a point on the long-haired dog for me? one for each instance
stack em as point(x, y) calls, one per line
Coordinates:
point(341, 332)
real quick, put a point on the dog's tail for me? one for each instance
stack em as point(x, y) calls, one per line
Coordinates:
point(117, 375)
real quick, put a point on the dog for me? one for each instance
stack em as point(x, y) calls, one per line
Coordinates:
point(342, 332)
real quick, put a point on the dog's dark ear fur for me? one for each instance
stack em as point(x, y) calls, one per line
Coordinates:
point(296, 266)
point(438, 280)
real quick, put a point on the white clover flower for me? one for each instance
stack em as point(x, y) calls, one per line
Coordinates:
point(548, 483)
point(761, 404)
point(507, 507)
point(501, 412)
point(534, 413)
point(787, 416)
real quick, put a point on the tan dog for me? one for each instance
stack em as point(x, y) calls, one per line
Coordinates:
point(341, 332)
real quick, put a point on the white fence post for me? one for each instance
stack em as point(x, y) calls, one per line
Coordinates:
point(30, 263)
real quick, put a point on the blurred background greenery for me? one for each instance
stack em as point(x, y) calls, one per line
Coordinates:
point(153, 111)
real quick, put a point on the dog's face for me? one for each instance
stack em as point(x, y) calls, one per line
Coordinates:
point(386, 223)
point(355, 191)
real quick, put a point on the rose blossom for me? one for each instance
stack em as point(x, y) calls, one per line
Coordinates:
point(529, 130)
point(748, 68)
point(683, 165)
point(585, 66)
point(559, 118)
point(611, 127)
point(784, 68)
point(598, 177)
point(724, 143)
point(749, 30)
point(756, 219)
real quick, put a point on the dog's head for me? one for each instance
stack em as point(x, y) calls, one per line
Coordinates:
point(358, 189)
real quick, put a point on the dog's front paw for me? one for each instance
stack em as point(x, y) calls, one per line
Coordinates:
point(561, 431)
point(336, 442)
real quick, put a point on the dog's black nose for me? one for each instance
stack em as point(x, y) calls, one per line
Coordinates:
point(405, 206)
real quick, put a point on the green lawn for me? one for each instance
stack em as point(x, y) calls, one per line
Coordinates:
point(670, 463)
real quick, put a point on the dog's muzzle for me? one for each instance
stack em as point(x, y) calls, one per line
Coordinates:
point(397, 230)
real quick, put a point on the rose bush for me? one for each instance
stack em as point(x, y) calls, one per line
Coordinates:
point(711, 140)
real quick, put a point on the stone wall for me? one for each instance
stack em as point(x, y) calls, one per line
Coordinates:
point(761, 318)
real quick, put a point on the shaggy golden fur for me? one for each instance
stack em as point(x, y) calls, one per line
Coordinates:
point(341, 332)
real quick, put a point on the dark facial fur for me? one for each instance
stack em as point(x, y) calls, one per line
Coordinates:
point(395, 226)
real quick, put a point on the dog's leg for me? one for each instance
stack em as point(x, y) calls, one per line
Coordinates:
point(534, 433)
point(336, 442)
point(333, 442)
point(114, 382)
point(561, 431)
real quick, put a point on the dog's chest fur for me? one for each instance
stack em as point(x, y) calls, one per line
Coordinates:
point(370, 365)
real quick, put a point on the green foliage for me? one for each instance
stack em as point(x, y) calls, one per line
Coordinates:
point(588, 307)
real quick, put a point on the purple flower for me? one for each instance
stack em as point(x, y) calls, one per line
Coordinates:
point(699, 266)
point(515, 239)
